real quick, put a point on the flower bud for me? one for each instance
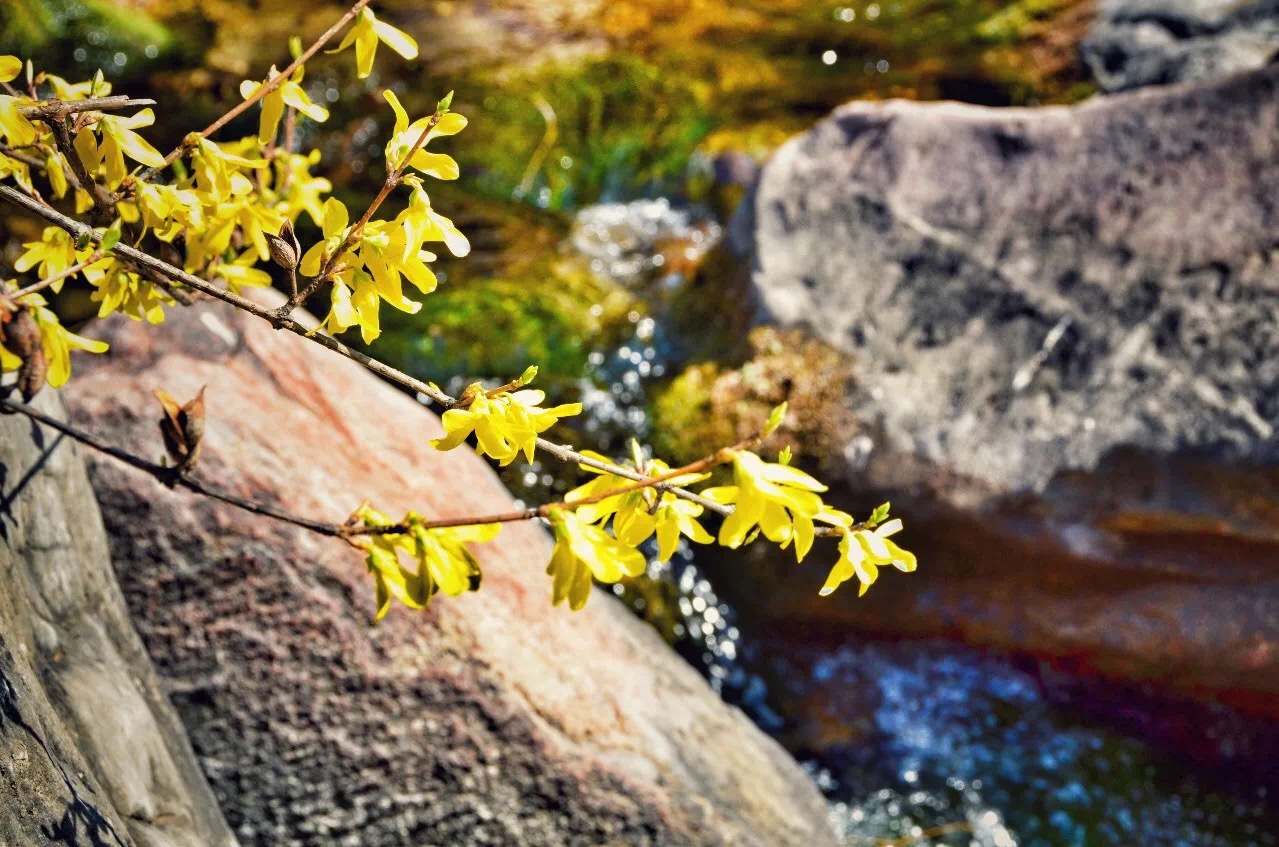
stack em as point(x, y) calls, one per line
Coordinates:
point(284, 248)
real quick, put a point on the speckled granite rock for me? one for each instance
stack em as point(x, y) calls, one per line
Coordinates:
point(91, 752)
point(1135, 43)
point(1063, 322)
point(490, 719)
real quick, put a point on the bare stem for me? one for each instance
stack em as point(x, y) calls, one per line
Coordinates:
point(172, 476)
point(59, 109)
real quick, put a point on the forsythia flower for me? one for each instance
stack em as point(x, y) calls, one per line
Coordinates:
point(582, 551)
point(10, 67)
point(53, 254)
point(241, 273)
point(302, 190)
point(20, 172)
point(288, 93)
point(57, 341)
point(118, 138)
point(504, 425)
point(443, 561)
point(781, 500)
point(406, 134)
point(16, 129)
point(634, 516)
point(58, 344)
point(862, 552)
point(366, 34)
point(120, 290)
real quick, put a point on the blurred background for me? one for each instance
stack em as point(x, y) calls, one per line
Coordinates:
point(1006, 320)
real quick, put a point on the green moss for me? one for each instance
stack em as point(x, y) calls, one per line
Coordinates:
point(494, 328)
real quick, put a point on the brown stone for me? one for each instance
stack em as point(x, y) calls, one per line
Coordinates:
point(492, 718)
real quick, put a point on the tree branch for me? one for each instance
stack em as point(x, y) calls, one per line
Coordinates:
point(171, 477)
point(47, 110)
point(267, 87)
point(562, 452)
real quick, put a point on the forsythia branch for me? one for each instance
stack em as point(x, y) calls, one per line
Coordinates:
point(267, 87)
point(145, 260)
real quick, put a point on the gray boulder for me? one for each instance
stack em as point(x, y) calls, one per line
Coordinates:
point(1065, 323)
point(1134, 43)
point(91, 752)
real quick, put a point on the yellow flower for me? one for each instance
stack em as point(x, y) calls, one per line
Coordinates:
point(119, 138)
point(53, 254)
point(19, 131)
point(120, 290)
point(444, 563)
point(583, 551)
point(10, 67)
point(301, 190)
point(862, 552)
point(288, 93)
point(421, 223)
point(64, 90)
point(638, 514)
point(366, 34)
point(405, 136)
point(217, 170)
point(333, 223)
point(780, 499)
point(241, 273)
point(56, 173)
point(18, 170)
point(57, 341)
point(504, 425)
point(58, 344)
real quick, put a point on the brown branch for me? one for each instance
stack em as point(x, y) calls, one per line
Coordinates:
point(25, 158)
point(103, 205)
point(267, 87)
point(562, 452)
point(58, 109)
point(171, 477)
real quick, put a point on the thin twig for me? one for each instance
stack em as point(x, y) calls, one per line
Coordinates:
point(25, 158)
point(58, 277)
point(53, 109)
point(172, 476)
point(562, 452)
point(266, 88)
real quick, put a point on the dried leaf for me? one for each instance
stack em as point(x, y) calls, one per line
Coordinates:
point(182, 427)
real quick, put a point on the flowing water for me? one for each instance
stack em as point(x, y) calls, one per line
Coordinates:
point(924, 742)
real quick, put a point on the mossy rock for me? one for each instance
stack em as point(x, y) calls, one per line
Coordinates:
point(709, 405)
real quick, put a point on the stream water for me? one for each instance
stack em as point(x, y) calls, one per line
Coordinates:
point(917, 742)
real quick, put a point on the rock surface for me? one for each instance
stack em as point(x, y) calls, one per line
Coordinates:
point(91, 752)
point(490, 719)
point(1134, 43)
point(1064, 327)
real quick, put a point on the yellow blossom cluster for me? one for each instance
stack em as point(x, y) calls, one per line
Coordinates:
point(224, 210)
